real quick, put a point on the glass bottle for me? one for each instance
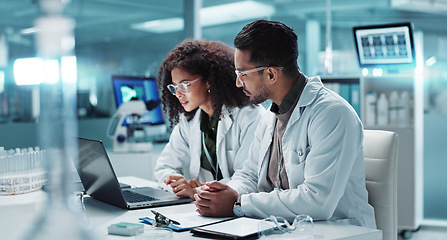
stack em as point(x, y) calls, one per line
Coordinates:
point(61, 218)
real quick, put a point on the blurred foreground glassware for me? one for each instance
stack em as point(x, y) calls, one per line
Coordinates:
point(273, 227)
point(62, 216)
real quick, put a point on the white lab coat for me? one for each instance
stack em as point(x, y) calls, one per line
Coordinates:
point(323, 154)
point(235, 133)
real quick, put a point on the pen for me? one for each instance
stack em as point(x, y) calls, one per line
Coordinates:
point(161, 217)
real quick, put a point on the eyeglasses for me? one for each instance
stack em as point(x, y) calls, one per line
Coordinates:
point(181, 87)
point(301, 228)
point(241, 75)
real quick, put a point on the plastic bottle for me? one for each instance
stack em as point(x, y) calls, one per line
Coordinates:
point(394, 107)
point(371, 103)
point(404, 117)
point(382, 110)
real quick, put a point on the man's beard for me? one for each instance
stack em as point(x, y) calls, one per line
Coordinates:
point(261, 97)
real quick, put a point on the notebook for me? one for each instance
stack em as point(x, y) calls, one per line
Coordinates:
point(99, 180)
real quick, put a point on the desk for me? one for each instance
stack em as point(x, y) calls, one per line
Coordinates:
point(17, 212)
point(101, 215)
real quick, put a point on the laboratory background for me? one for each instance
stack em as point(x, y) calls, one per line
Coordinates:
point(120, 41)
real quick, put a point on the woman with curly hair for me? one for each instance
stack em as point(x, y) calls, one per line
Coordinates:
point(214, 120)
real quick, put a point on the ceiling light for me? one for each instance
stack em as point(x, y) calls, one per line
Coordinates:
point(30, 30)
point(160, 26)
point(211, 16)
point(234, 12)
point(431, 61)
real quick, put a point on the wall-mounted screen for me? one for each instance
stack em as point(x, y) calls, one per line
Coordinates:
point(384, 44)
point(126, 88)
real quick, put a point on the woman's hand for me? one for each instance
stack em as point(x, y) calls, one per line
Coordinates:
point(181, 187)
point(194, 183)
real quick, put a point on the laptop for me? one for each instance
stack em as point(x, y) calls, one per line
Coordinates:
point(100, 182)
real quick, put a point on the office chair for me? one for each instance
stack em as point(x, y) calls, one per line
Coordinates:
point(380, 152)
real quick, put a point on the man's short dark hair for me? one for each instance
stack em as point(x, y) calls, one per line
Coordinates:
point(270, 43)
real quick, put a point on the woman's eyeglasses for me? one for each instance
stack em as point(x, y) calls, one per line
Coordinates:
point(181, 87)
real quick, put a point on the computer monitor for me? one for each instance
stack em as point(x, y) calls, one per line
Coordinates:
point(126, 88)
point(384, 44)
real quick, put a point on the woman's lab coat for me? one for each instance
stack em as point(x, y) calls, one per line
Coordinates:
point(323, 156)
point(235, 133)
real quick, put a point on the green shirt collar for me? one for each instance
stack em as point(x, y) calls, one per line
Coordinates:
point(291, 96)
point(208, 124)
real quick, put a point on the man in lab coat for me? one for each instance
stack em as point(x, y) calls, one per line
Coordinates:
point(307, 154)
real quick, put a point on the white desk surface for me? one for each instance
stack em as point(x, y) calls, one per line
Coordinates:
point(101, 215)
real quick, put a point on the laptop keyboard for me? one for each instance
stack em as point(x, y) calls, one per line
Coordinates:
point(134, 197)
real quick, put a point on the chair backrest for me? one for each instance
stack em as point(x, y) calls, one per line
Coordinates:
point(380, 152)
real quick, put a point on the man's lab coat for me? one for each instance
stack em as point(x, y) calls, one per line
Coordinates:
point(323, 154)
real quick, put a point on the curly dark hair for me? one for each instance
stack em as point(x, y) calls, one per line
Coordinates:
point(214, 62)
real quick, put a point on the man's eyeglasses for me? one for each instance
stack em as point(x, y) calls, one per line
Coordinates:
point(181, 87)
point(241, 75)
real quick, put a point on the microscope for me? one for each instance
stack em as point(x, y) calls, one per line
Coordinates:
point(126, 126)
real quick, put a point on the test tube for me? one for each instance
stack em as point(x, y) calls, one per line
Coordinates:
point(2, 161)
point(2, 170)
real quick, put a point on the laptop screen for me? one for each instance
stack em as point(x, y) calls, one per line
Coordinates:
point(96, 172)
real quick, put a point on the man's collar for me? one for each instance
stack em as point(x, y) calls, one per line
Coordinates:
point(291, 97)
